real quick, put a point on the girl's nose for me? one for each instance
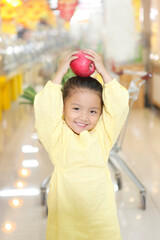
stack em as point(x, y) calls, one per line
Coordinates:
point(84, 117)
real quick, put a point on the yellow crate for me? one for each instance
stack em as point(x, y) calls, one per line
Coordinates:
point(10, 89)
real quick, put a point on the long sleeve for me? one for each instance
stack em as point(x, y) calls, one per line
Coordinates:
point(115, 110)
point(48, 108)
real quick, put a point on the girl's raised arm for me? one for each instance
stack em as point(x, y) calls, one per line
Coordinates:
point(115, 98)
point(115, 109)
point(97, 59)
point(63, 67)
point(48, 106)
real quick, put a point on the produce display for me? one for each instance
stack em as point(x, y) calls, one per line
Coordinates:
point(42, 48)
point(68, 75)
point(28, 95)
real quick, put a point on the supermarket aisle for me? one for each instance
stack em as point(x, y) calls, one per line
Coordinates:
point(24, 164)
point(141, 152)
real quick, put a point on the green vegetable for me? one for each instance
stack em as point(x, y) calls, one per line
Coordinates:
point(28, 94)
point(68, 75)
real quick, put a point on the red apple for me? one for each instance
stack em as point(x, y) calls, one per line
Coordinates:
point(82, 66)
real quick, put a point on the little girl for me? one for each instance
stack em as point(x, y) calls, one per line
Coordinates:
point(78, 126)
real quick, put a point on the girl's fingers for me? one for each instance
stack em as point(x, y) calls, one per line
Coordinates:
point(90, 57)
point(94, 56)
point(70, 59)
point(89, 51)
point(72, 53)
point(73, 57)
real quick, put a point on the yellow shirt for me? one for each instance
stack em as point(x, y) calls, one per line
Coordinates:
point(81, 201)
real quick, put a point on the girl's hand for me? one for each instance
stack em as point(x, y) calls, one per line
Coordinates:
point(63, 67)
point(97, 59)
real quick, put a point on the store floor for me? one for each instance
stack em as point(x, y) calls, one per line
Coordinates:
point(24, 165)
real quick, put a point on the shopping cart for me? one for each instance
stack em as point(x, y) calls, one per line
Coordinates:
point(44, 192)
point(114, 157)
point(133, 88)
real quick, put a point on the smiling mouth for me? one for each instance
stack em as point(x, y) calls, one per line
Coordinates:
point(82, 125)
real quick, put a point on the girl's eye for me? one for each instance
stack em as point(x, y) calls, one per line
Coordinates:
point(76, 108)
point(93, 112)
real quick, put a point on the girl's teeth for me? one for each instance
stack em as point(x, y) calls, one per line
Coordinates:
point(82, 125)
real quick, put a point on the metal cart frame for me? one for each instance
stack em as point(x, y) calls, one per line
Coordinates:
point(133, 89)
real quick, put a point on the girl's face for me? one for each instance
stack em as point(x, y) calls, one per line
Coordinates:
point(82, 109)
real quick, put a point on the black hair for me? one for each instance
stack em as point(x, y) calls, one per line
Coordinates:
point(81, 82)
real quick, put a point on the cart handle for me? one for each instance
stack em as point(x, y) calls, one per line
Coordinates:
point(147, 76)
point(142, 74)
